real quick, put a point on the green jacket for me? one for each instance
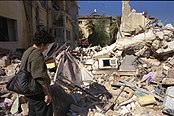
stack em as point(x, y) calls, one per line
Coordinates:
point(36, 65)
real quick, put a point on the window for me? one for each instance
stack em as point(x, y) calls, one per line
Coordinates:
point(75, 36)
point(59, 34)
point(60, 21)
point(68, 7)
point(106, 63)
point(66, 19)
point(43, 3)
point(68, 34)
point(80, 22)
point(8, 29)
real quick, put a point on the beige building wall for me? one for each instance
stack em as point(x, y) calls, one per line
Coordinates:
point(131, 20)
point(137, 20)
point(15, 10)
point(83, 26)
point(125, 23)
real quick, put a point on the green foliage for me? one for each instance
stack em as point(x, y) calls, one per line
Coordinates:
point(115, 28)
point(98, 34)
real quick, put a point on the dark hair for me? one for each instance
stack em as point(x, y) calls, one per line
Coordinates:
point(42, 37)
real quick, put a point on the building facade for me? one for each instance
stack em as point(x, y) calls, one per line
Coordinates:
point(13, 24)
point(65, 22)
point(19, 20)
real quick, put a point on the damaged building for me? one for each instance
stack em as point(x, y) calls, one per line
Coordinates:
point(132, 77)
point(21, 19)
point(133, 22)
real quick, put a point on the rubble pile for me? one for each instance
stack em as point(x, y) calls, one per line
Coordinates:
point(132, 77)
point(141, 64)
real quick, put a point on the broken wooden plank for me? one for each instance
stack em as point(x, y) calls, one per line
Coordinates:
point(110, 105)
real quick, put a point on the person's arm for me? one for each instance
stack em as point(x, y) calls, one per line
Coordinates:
point(39, 72)
point(48, 98)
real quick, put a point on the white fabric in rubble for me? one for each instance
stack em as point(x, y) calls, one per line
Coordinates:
point(71, 68)
point(15, 106)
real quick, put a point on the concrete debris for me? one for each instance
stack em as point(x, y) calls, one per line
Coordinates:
point(168, 107)
point(4, 62)
point(169, 26)
point(146, 100)
point(132, 77)
point(127, 63)
point(4, 52)
point(51, 52)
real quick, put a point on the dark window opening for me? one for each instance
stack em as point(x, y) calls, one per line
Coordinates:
point(68, 6)
point(106, 63)
point(8, 29)
point(75, 37)
point(68, 34)
point(43, 3)
point(60, 32)
point(60, 21)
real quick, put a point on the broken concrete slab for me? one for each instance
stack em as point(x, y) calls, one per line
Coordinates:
point(127, 63)
point(171, 73)
point(123, 43)
point(168, 81)
point(98, 114)
point(168, 103)
point(105, 52)
point(168, 50)
point(150, 61)
point(146, 100)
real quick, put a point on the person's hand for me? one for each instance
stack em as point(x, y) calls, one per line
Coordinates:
point(48, 99)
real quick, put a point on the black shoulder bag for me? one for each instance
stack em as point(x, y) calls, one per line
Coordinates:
point(24, 83)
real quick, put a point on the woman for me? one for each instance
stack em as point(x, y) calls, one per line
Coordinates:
point(40, 104)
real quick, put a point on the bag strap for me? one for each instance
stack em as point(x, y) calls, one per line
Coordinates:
point(25, 62)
